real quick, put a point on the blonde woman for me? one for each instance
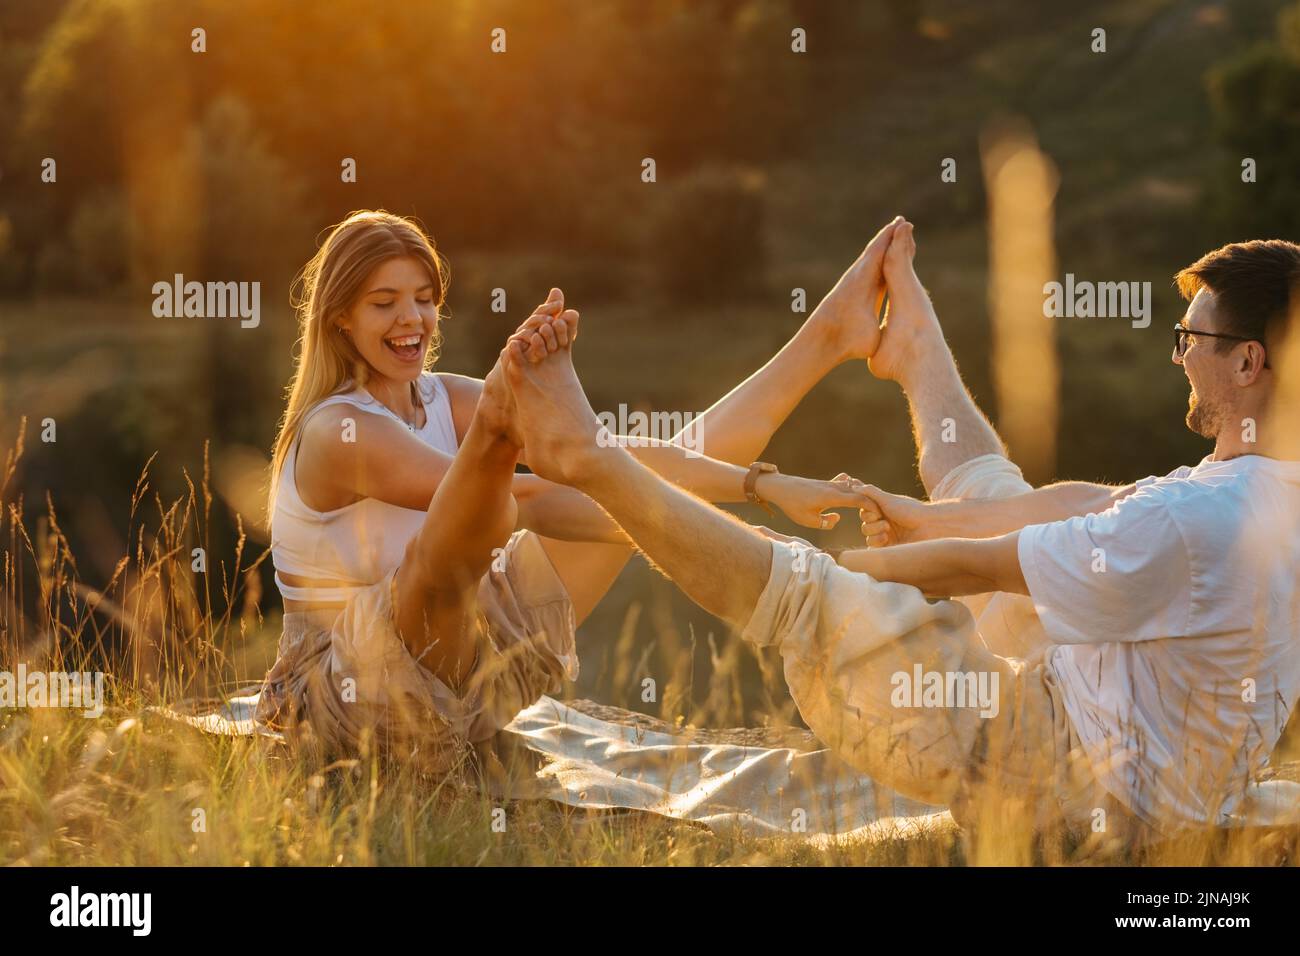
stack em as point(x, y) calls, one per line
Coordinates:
point(430, 591)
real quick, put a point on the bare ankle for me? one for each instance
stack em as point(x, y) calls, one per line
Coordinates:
point(492, 443)
point(823, 341)
point(931, 367)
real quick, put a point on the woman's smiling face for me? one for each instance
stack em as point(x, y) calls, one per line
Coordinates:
point(395, 319)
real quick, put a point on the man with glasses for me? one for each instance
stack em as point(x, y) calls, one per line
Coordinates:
point(1163, 617)
point(1166, 613)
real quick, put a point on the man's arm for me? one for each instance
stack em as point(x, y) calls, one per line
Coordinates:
point(949, 567)
point(901, 520)
point(987, 517)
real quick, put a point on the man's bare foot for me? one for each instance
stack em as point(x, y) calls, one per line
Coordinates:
point(558, 424)
point(911, 336)
point(849, 315)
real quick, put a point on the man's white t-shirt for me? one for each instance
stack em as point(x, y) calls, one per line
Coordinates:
point(1177, 615)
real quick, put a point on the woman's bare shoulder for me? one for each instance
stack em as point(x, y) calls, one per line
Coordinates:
point(460, 386)
point(463, 392)
point(334, 435)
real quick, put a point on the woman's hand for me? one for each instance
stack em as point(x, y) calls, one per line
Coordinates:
point(806, 501)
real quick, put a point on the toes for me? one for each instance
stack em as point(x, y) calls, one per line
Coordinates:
point(547, 332)
point(536, 321)
point(554, 303)
point(566, 328)
point(886, 232)
point(514, 356)
point(903, 245)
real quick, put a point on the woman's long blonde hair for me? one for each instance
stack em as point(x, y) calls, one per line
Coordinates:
point(326, 288)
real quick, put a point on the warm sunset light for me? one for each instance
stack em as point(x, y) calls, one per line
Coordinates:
point(648, 433)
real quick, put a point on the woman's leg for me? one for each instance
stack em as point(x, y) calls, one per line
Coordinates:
point(471, 515)
point(736, 429)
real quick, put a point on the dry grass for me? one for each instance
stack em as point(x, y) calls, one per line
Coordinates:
point(130, 788)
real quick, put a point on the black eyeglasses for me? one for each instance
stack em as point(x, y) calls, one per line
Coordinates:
point(1180, 339)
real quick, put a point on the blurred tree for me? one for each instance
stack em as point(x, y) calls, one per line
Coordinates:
point(99, 238)
point(13, 264)
point(904, 14)
point(491, 149)
point(23, 28)
point(253, 207)
point(253, 227)
point(706, 237)
point(1255, 97)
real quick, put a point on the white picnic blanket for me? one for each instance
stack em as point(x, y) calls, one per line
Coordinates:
point(607, 765)
point(601, 764)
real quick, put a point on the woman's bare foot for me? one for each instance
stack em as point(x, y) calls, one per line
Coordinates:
point(558, 424)
point(911, 336)
point(849, 314)
point(495, 411)
point(550, 328)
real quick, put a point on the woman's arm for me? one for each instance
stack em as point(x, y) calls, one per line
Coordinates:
point(347, 454)
point(712, 480)
point(803, 500)
point(948, 567)
point(563, 513)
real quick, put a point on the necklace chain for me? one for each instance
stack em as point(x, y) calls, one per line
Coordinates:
point(415, 401)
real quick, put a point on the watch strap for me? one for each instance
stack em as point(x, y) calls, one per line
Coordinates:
point(751, 483)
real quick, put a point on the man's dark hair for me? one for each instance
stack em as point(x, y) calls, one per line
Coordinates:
point(1255, 286)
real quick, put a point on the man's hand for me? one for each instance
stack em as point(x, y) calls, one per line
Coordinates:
point(894, 519)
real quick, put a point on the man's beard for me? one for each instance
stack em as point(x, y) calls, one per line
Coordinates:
point(1203, 416)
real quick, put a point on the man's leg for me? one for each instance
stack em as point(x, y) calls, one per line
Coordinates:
point(959, 453)
point(950, 429)
point(843, 636)
point(843, 327)
point(737, 428)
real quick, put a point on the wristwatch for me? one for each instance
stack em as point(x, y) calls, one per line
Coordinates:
point(751, 484)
